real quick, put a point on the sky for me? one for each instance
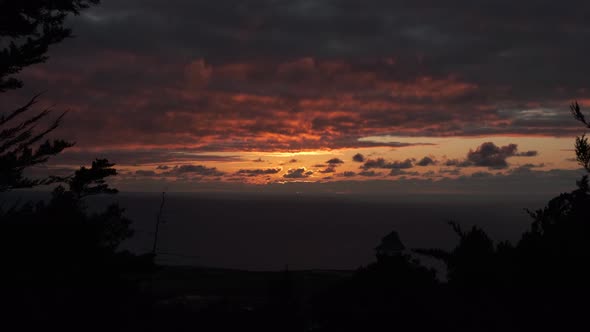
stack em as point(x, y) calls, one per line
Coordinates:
point(322, 96)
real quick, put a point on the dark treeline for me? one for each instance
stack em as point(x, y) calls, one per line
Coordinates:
point(63, 268)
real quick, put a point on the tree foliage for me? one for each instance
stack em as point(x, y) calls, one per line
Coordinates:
point(552, 248)
point(23, 146)
point(582, 147)
point(65, 217)
point(61, 260)
point(27, 29)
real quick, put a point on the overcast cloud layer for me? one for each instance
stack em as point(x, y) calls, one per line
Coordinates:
point(276, 75)
point(176, 82)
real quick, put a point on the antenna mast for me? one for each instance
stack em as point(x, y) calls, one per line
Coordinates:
point(158, 221)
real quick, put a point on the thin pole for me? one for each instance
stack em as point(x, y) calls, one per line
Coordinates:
point(158, 220)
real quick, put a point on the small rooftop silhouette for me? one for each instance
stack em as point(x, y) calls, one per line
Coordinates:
point(390, 245)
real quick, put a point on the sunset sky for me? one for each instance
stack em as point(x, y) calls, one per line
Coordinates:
point(322, 95)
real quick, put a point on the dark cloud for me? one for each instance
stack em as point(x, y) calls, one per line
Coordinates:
point(258, 172)
point(535, 183)
point(429, 174)
point(145, 173)
point(458, 163)
point(533, 165)
point(505, 31)
point(381, 163)
point(490, 155)
point(531, 153)
point(369, 173)
point(426, 161)
point(313, 74)
point(450, 171)
point(526, 168)
point(347, 174)
point(359, 158)
point(398, 172)
point(298, 173)
point(330, 169)
point(478, 175)
point(126, 156)
point(334, 161)
point(163, 167)
point(198, 170)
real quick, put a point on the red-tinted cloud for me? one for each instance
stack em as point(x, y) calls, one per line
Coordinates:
point(292, 76)
point(298, 105)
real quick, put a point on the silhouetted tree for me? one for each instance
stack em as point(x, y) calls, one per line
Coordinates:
point(27, 29)
point(544, 275)
point(582, 147)
point(394, 292)
point(66, 222)
point(62, 265)
point(557, 241)
point(21, 147)
point(471, 261)
point(67, 259)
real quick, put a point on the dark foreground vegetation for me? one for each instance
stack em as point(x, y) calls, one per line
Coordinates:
point(63, 269)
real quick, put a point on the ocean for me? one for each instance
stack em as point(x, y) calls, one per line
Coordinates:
point(271, 232)
point(259, 232)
